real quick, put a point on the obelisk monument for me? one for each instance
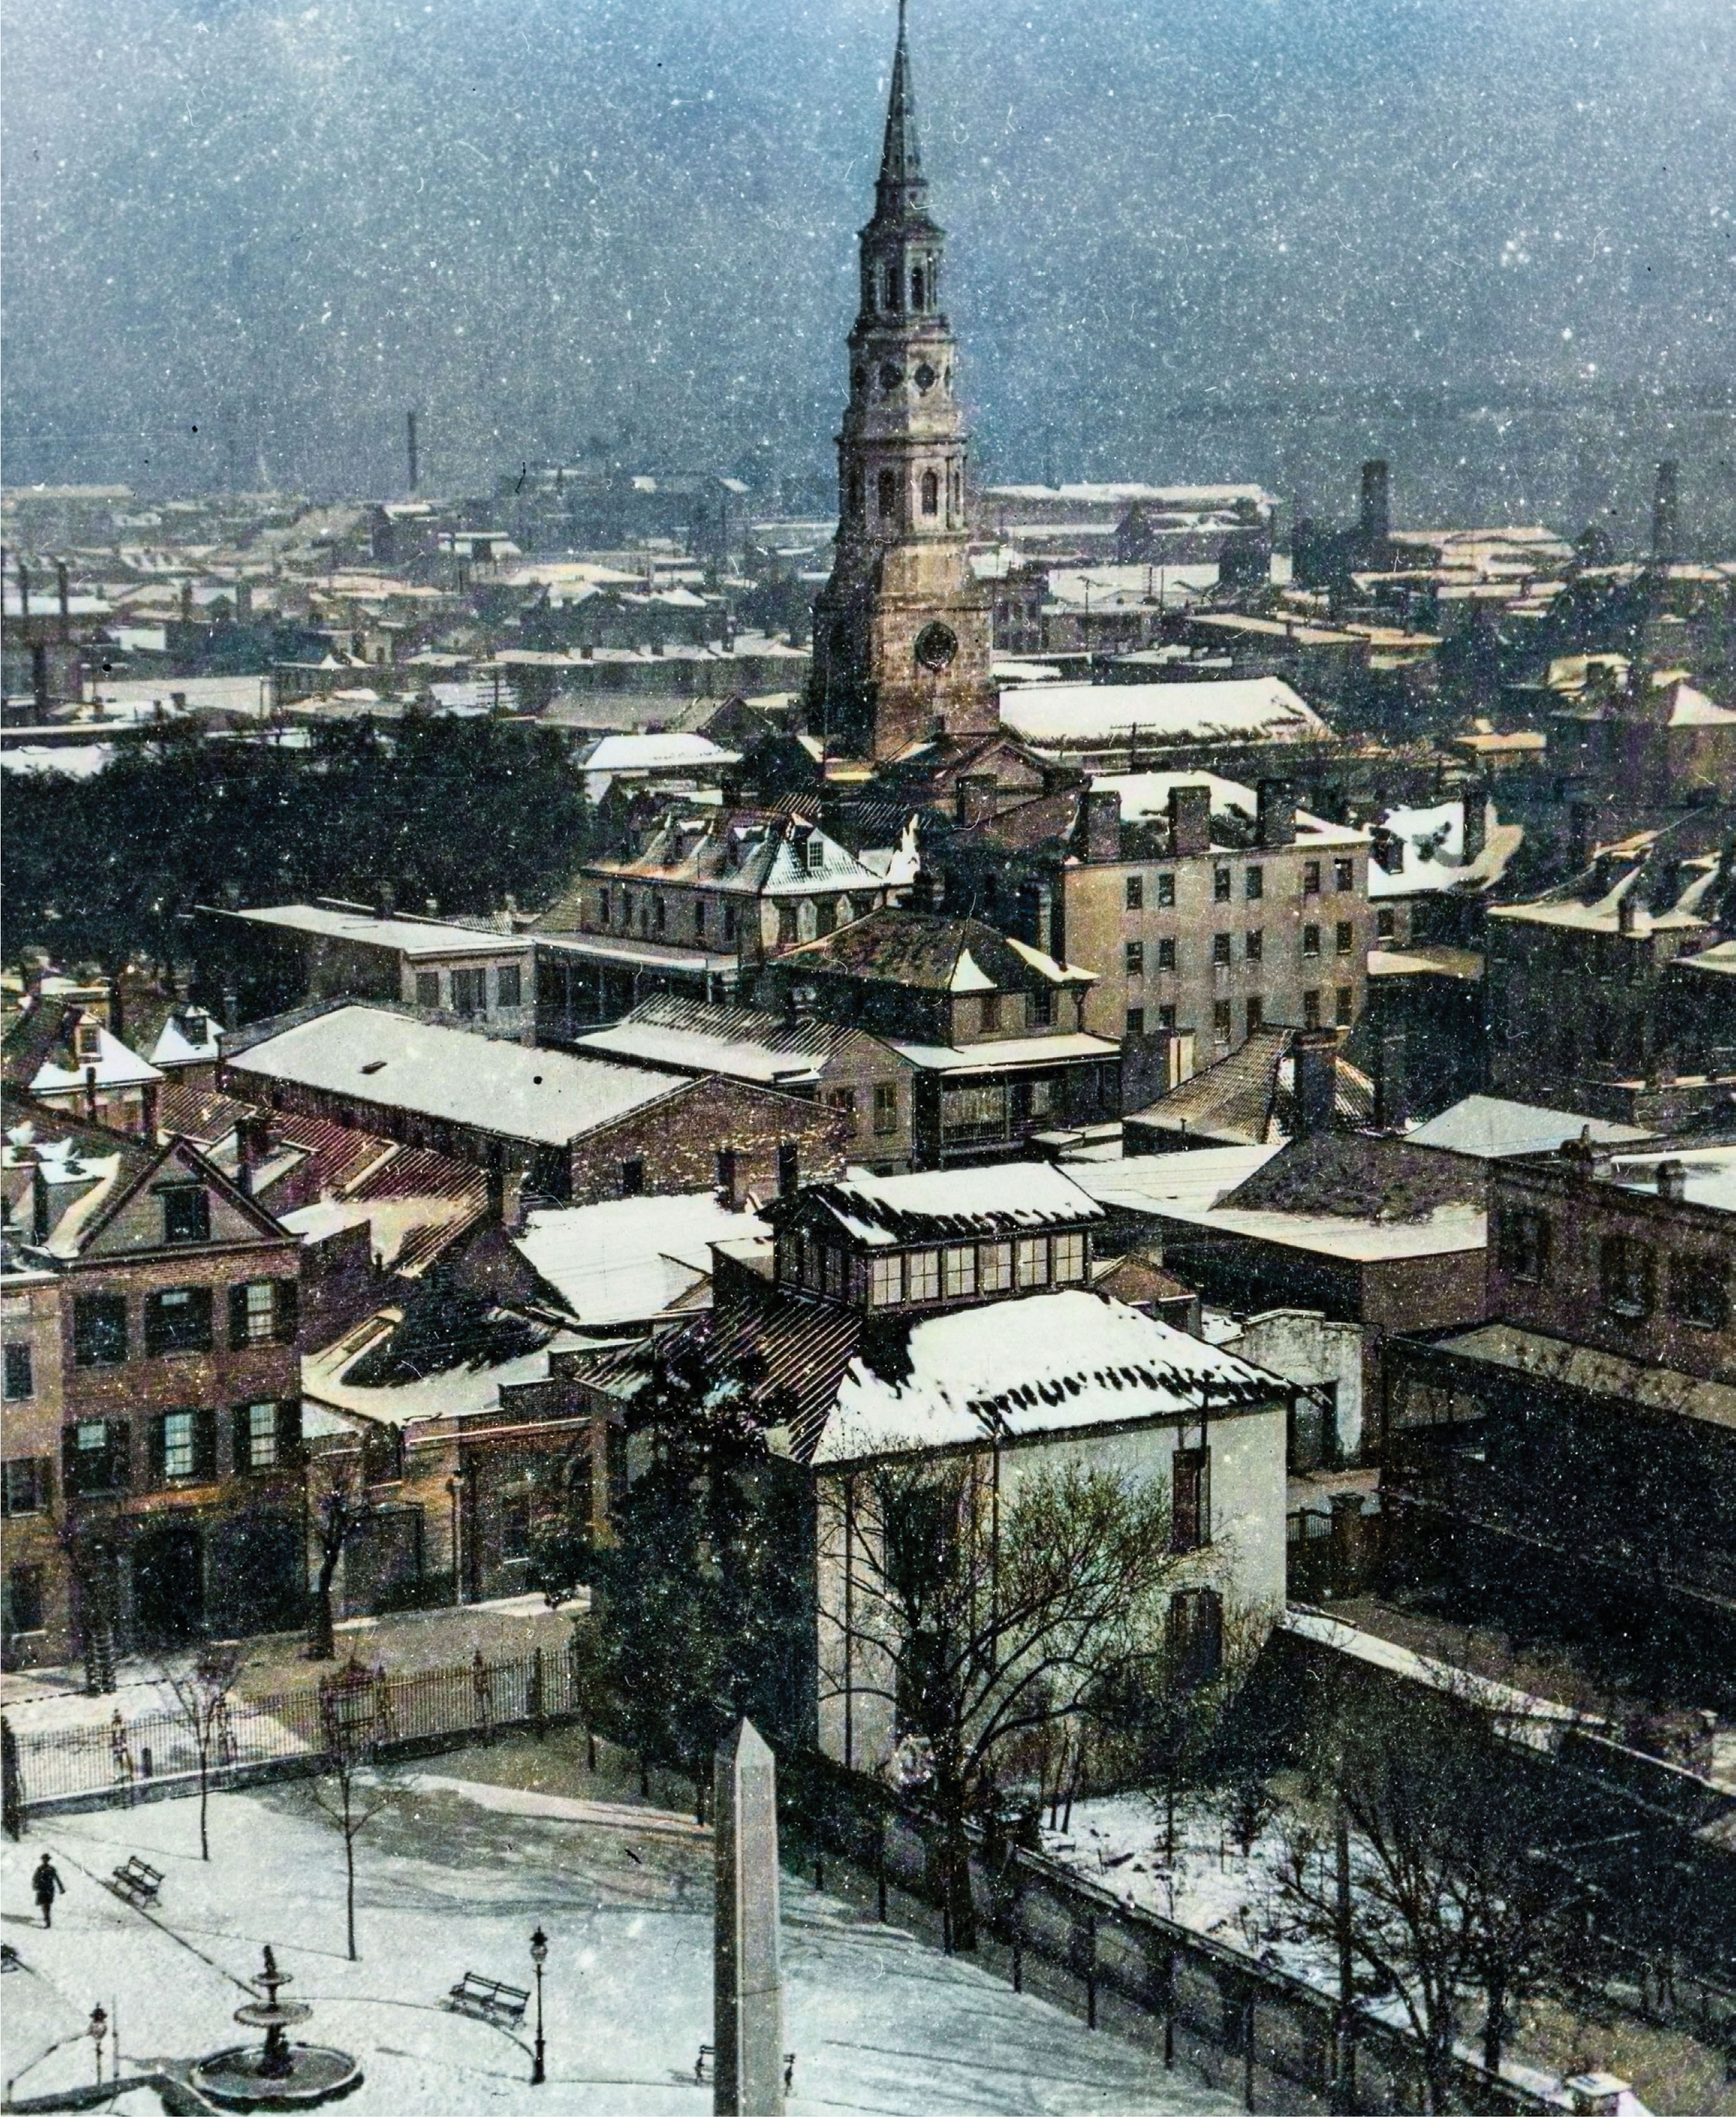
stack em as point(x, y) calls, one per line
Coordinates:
point(747, 2021)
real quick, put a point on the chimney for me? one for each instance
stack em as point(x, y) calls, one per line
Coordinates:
point(1596, 2094)
point(1190, 820)
point(978, 798)
point(1391, 1097)
point(39, 1204)
point(1476, 820)
point(1666, 513)
point(1277, 812)
point(64, 587)
point(231, 1009)
point(1628, 912)
point(1672, 1181)
point(90, 1093)
point(388, 899)
point(187, 603)
point(24, 593)
point(1314, 1053)
point(923, 893)
point(1102, 813)
point(1375, 525)
point(1579, 835)
point(729, 1184)
point(148, 1114)
point(409, 437)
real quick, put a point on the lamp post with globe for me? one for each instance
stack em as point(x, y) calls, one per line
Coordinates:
point(539, 1956)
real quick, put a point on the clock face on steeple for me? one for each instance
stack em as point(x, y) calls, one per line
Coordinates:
point(936, 646)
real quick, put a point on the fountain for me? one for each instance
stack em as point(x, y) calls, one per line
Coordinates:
point(277, 2074)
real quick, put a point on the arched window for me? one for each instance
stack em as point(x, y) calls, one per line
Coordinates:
point(892, 300)
point(889, 493)
point(931, 493)
point(855, 493)
point(918, 284)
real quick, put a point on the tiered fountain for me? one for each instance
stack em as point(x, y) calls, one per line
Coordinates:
point(277, 2074)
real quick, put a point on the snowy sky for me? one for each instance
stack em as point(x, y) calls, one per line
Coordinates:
point(541, 219)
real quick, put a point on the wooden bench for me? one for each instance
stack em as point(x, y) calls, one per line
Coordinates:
point(706, 2054)
point(487, 1999)
point(137, 1881)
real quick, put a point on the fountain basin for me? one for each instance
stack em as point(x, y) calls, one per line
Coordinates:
point(236, 2079)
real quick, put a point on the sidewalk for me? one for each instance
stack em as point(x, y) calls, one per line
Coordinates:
point(406, 1642)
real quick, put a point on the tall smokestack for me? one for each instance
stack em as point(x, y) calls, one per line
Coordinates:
point(1375, 525)
point(64, 586)
point(409, 431)
point(1666, 513)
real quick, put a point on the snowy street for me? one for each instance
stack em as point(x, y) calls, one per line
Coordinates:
point(453, 1875)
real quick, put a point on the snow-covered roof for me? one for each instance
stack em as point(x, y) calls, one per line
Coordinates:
point(113, 1064)
point(629, 1260)
point(1247, 710)
point(78, 760)
point(189, 1038)
point(1490, 1128)
point(1049, 1363)
point(1144, 1183)
point(1445, 1228)
point(410, 937)
point(658, 753)
point(941, 1205)
point(997, 1054)
point(745, 1044)
point(505, 1089)
point(1708, 1173)
point(1430, 851)
point(461, 1391)
point(1146, 794)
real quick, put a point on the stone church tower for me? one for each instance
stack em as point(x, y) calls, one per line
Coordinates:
point(902, 630)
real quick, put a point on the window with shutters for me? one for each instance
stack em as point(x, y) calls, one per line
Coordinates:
point(257, 1441)
point(1190, 1500)
point(94, 1456)
point(254, 1309)
point(183, 1447)
point(187, 1213)
point(178, 1320)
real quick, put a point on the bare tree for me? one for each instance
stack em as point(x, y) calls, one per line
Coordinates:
point(199, 1699)
point(983, 1616)
point(346, 1788)
point(338, 1509)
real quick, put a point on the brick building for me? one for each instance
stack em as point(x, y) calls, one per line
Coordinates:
point(152, 1428)
point(545, 1123)
point(1577, 1452)
point(989, 1027)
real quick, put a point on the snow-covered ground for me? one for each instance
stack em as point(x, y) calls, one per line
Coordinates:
point(453, 1875)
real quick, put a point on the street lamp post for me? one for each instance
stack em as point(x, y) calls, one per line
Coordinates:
point(98, 2030)
point(539, 1956)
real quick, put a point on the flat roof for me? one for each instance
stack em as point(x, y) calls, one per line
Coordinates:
point(410, 937)
point(996, 1054)
point(509, 1090)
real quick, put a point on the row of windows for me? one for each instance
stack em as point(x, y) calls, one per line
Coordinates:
point(1223, 1014)
point(262, 1312)
point(1254, 884)
point(96, 1454)
point(1164, 953)
point(470, 989)
point(1696, 1282)
point(889, 492)
point(962, 1271)
point(888, 287)
point(885, 1101)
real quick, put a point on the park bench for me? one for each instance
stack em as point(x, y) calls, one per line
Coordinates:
point(488, 2000)
point(137, 1882)
point(706, 2054)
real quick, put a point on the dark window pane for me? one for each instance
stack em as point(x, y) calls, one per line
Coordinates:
point(187, 1214)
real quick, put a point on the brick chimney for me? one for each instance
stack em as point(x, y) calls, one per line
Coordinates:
point(978, 798)
point(1314, 1053)
point(1277, 812)
point(1102, 808)
point(1476, 820)
point(1190, 820)
point(1672, 1181)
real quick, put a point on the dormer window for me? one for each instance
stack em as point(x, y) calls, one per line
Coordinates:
point(813, 852)
point(87, 1043)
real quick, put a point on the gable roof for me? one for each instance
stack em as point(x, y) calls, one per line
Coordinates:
point(931, 950)
point(40, 1054)
point(941, 1205)
point(1358, 1177)
point(743, 1043)
point(1491, 1127)
point(1248, 1097)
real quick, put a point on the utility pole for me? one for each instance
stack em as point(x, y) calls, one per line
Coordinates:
point(409, 431)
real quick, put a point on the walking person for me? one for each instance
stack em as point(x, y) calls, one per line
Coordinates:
point(47, 1885)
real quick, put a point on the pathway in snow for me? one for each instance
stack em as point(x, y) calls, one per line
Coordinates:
point(452, 1875)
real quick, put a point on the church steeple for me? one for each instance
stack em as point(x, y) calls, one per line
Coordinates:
point(902, 184)
point(901, 638)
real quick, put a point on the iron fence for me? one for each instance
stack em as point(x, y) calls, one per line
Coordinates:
point(151, 1750)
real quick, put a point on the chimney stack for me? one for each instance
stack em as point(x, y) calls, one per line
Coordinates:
point(1103, 824)
point(1476, 820)
point(410, 434)
point(1277, 812)
point(1190, 820)
point(1666, 513)
point(978, 798)
point(1314, 1054)
point(64, 587)
point(1375, 525)
point(1672, 1181)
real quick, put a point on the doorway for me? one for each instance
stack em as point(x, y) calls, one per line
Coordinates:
point(169, 1586)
